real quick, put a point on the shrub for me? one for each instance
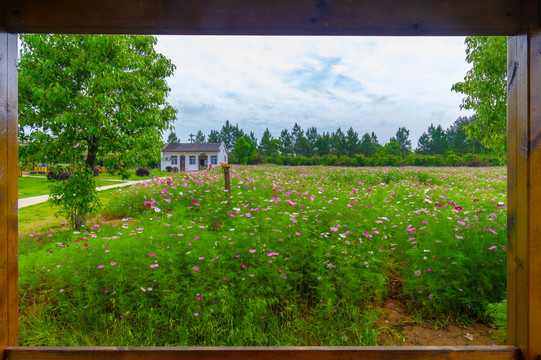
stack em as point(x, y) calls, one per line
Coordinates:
point(96, 171)
point(142, 172)
point(475, 162)
point(175, 169)
point(51, 175)
point(168, 168)
point(63, 176)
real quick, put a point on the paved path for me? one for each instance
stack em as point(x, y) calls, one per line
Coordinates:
point(33, 200)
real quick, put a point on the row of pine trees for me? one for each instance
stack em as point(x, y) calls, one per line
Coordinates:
point(245, 147)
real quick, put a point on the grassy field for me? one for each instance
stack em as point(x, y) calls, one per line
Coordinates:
point(292, 256)
point(39, 185)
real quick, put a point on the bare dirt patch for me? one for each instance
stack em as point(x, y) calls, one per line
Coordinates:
point(400, 328)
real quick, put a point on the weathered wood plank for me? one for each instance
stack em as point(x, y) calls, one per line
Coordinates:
point(266, 17)
point(3, 194)
point(522, 174)
point(8, 190)
point(12, 194)
point(300, 353)
point(534, 200)
point(524, 190)
point(512, 92)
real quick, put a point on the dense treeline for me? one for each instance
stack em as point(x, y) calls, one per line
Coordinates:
point(435, 147)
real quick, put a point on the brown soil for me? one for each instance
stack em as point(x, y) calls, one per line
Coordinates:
point(400, 328)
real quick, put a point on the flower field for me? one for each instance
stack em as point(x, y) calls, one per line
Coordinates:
point(292, 256)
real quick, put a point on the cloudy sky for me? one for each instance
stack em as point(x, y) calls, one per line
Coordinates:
point(369, 83)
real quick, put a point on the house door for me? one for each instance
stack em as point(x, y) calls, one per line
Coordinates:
point(203, 162)
point(183, 163)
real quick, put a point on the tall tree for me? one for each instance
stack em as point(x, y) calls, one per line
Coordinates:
point(227, 136)
point(265, 144)
point(403, 141)
point(253, 139)
point(199, 137)
point(367, 147)
point(300, 144)
point(311, 138)
point(323, 144)
point(352, 142)
point(286, 141)
point(84, 97)
point(338, 142)
point(433, 142)
point(214, 137)
point(485, 87)
point(172, 138)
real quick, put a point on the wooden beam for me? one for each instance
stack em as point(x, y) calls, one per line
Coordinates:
point(524, 189)
point(8, 191)
point(300, 353)
point(265, 17)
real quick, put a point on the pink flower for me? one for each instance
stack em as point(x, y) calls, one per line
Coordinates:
point(101, 266)
point(429, 270)
point(151, 254)
point(196, 314)
point(195, 268)
point(243, 266)
point(492, 247)
point(154, 266)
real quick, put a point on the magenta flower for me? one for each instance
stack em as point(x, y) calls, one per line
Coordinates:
point(428, 270)
point(151, 254)
point(101, 266)
point(195, 268)
point(196, 314)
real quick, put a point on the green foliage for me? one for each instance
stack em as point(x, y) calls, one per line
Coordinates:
point(497, 313)
point(85, 97)
point(76, 197)
point(485, 88)
point(172, 138)
point(244, 151)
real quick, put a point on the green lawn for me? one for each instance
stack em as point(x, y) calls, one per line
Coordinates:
point(155, 172)
point(39, 185)
point(41, 218)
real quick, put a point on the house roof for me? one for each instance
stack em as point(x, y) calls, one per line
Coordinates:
point(191, 147)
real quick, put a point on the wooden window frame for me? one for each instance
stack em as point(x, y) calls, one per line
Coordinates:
point(518, 19)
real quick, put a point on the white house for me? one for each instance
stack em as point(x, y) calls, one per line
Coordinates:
point(193, 156)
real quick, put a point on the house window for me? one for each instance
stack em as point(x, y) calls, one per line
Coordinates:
point(174, 160)
point(192, 159)
point(214, 160)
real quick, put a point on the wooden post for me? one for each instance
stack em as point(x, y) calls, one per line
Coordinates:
point(8, 191)
point(524, 190)
point(227, 180)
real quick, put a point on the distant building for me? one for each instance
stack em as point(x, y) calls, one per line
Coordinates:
point(193, 156)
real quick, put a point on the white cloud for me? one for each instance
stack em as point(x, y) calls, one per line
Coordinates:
point(371, 84)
